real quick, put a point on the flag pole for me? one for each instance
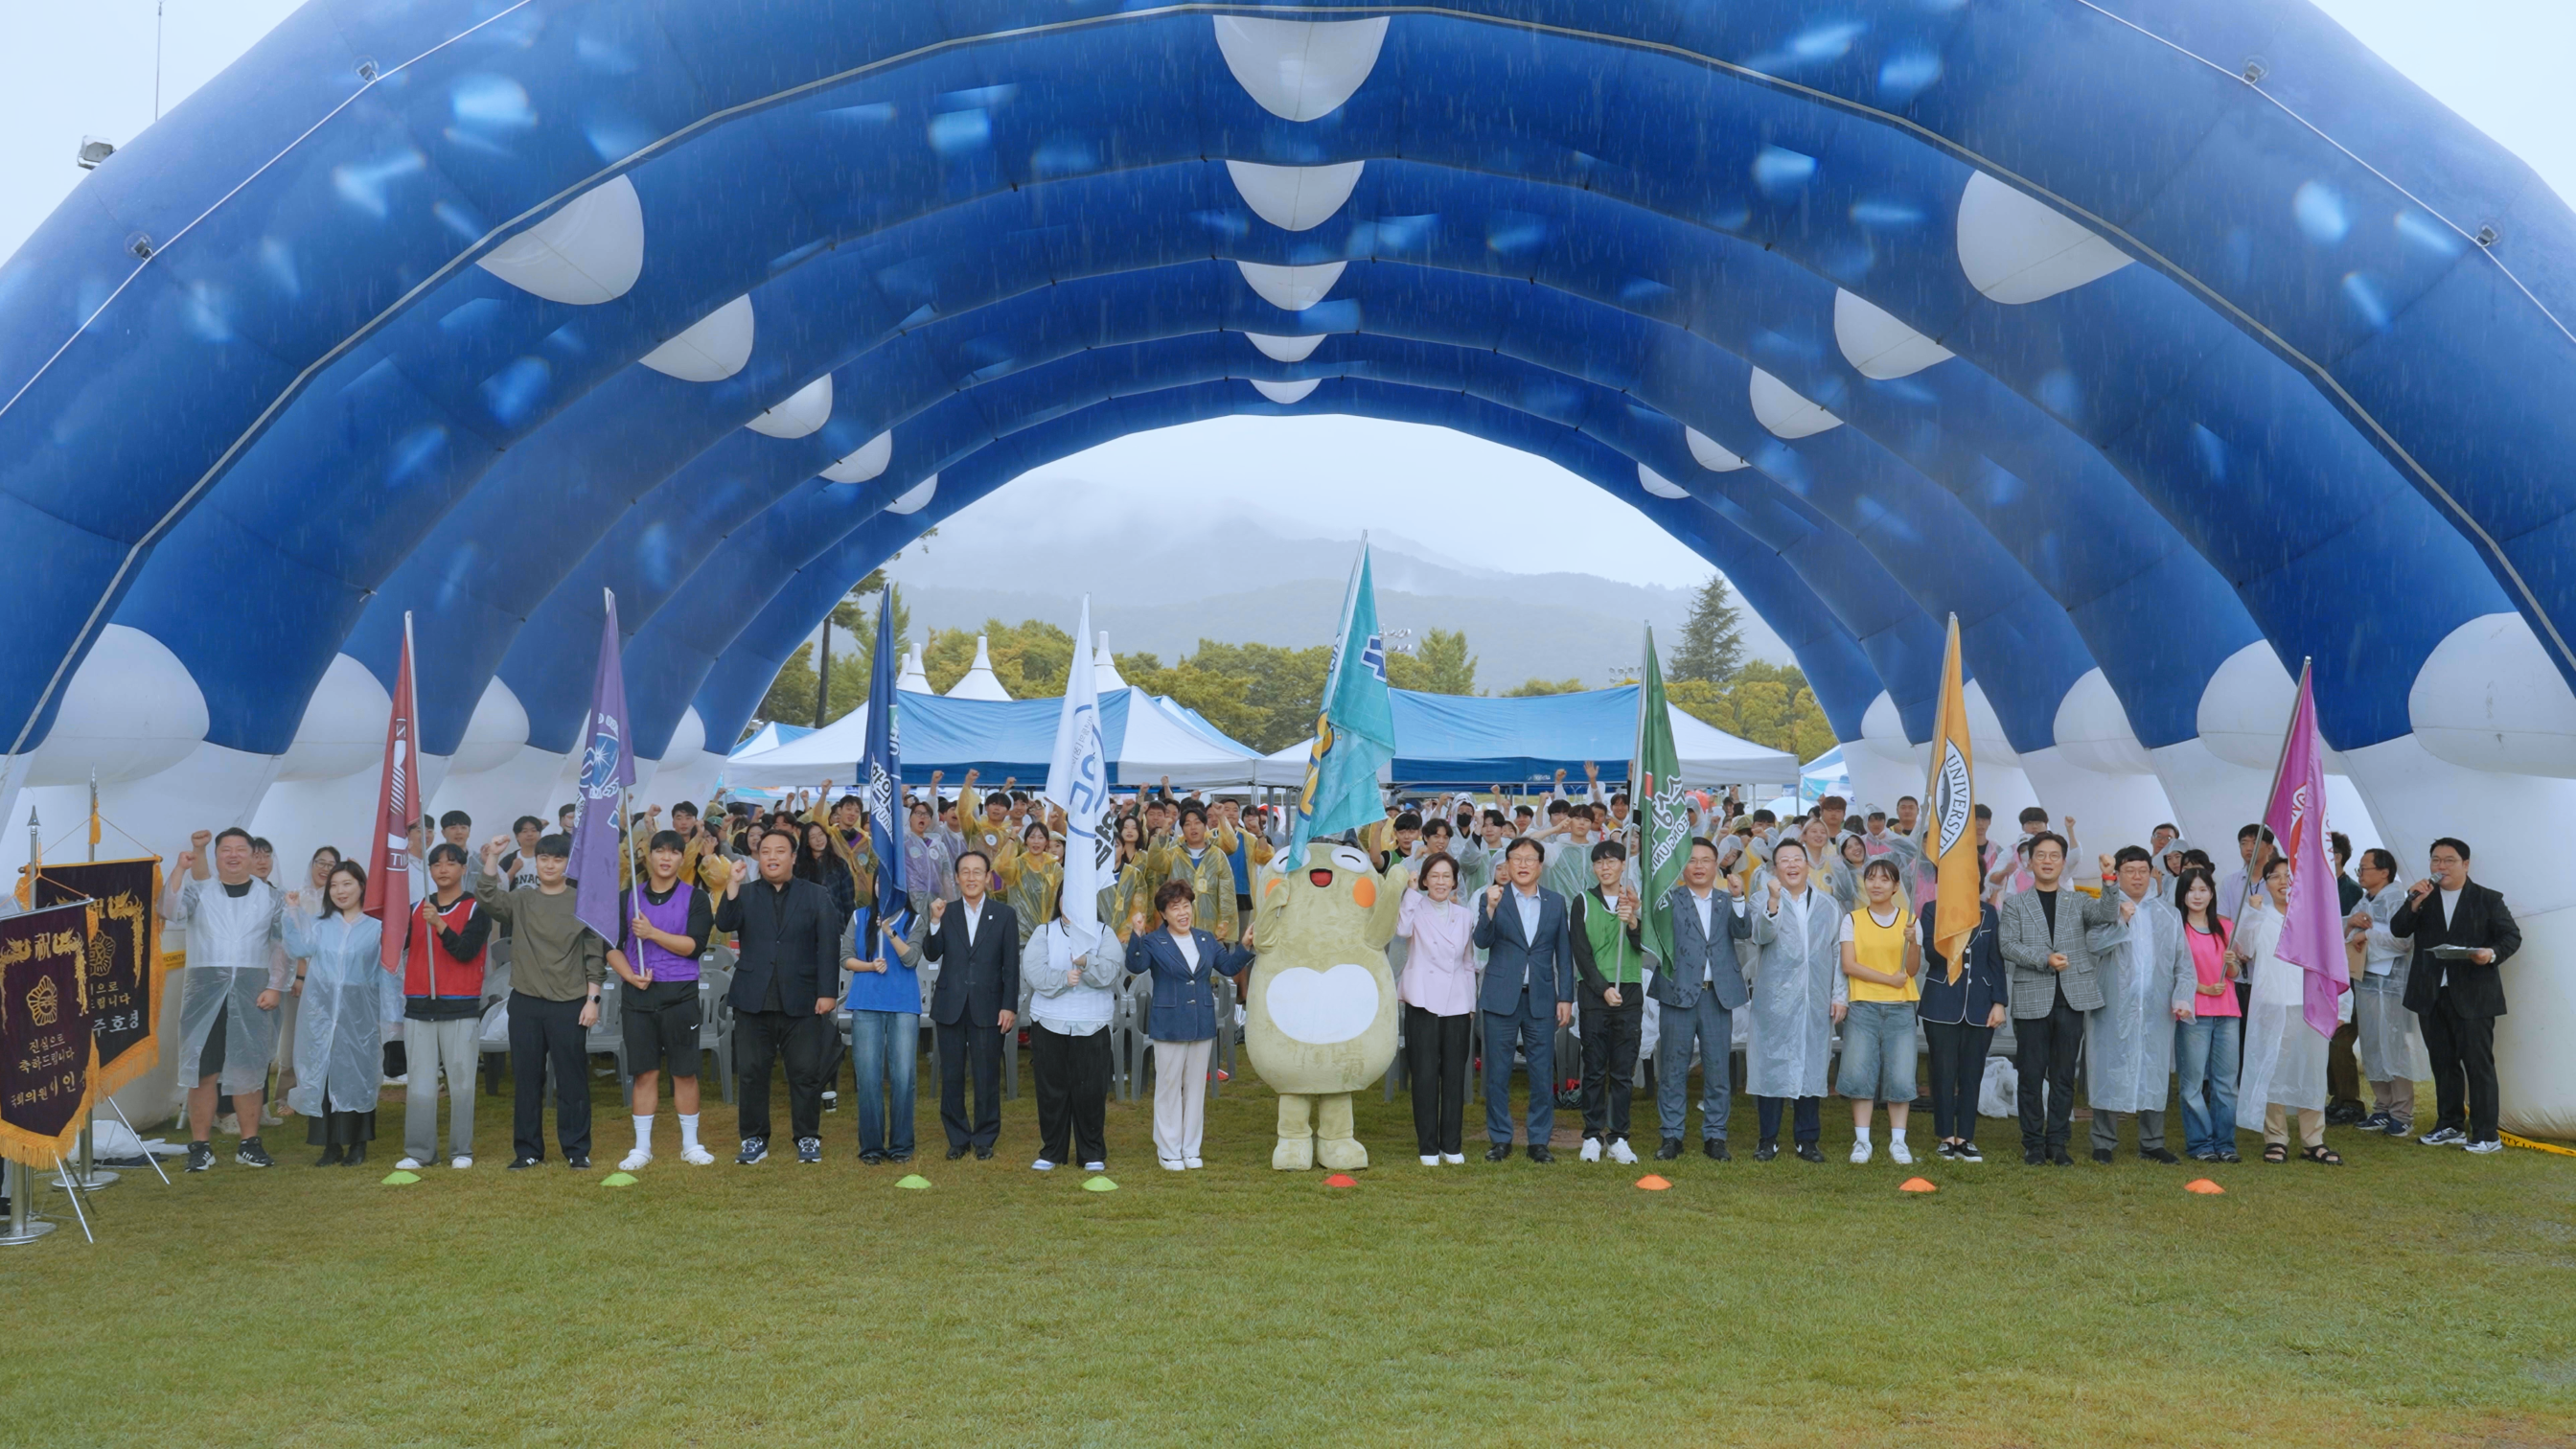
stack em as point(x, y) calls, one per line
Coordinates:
point(2264, 850)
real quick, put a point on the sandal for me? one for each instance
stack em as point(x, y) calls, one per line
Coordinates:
point(2276, 1152)
point(2324, 1156)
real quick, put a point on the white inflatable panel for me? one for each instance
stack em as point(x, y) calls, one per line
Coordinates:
point(1659, 485)
point(590, 251)
point(1285, 392)
point(1291, 289)
point(2016, 250)
point(130, 711)
point(2110, 810)
point(1298, 70)
point(2092, 730)
point(1285, 349)
point(495, 733)
point(712, 349)
point(1779, 408)
point(1985, 731)
point(1883, 730)
point(803, 412)
point(2489, 698)
point(866, 462)
point(1709, 454)
point(915, 498)
point(1295, 198)
point(1877, 345)
point(343, 732)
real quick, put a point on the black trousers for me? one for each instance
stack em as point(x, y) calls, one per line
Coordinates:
point(760, 1038)
point(1435, 1068)
point(1072, 1075)
point(2463, 1053)
point(543, 1032)
point(1958, 1070)
point(1610, 1035)
point(1805, 1125)
point(2045, 1048)
point(957, 1044)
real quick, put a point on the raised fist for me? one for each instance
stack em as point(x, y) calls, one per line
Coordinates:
point(937, 909)
point(1493, 895)
point(201, 839)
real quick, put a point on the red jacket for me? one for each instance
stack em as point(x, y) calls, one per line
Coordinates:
point(443, 978)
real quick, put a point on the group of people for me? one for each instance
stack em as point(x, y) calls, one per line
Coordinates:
point(1520, 922)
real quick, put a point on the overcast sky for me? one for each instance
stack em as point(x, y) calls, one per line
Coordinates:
point(71, 68)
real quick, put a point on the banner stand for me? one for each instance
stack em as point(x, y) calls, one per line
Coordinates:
point(24, 1227)
point(155, 1162)
point(91, 1177)
point(63, 1180)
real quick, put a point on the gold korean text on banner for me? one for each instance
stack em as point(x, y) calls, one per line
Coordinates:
point(47, 1057)
point(126, 970)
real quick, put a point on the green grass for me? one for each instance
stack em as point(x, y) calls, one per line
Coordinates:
point(2414, 1297)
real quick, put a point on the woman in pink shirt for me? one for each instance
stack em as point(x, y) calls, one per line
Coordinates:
point(2206, 1047)
point(1439, 995)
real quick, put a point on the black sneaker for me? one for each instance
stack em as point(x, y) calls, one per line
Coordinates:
point(871, 1159)
point(1809, 1152)
point(2375, 1122)
point(1766, 1152)
point(2033, 1157)
point(1966, 1152)
point(1668, 1149)
point(2102, 1155)
point(1714, 1149)
point(522, 1164)
point(201, 1157)
point(754, 1150)
point(1498, 1152)
point(578, 1164)
point(1538, 1153)
point(2398, 1127)
point(251, 1154)
point(809, 1149)
point(2159, 1154)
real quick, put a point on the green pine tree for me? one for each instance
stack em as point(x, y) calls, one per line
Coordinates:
point(1712, 645)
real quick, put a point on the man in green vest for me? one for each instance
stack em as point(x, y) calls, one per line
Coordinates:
point(1609, 967)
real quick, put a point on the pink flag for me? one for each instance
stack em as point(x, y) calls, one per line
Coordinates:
point(2312, 935)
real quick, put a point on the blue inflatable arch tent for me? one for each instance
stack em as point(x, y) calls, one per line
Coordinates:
point(2166, 343)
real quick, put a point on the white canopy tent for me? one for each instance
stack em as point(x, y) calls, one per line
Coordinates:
point(1006, 738)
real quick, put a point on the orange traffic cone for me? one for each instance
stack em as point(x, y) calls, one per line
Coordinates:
point(1341, 1179)
point(2203, 1186)
point(1915, 1184)
point(1652, 1183)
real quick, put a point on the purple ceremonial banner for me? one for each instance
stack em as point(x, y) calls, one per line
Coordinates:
point(2312, 935)
point(607, 772)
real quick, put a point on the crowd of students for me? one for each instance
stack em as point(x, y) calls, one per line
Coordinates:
point(1521, 933)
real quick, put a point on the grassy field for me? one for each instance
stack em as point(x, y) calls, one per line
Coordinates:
point(2415, 1297)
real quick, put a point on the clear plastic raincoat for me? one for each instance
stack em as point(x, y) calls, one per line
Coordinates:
point(233, 956)
point(339, 1033)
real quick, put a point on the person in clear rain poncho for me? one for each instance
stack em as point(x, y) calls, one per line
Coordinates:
point(338, 1041)
point(2284, 1071)
point(2145, 972)
point(230, 988)
point(1798, 997)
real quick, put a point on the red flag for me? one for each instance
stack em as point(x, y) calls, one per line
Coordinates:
point(398, 804)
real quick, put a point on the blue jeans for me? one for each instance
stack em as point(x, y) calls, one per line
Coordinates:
point(2205, 1051)
point(1534, 1026)
point(885, 1050)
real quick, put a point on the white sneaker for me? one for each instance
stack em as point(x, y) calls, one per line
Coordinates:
point(1193, 1164)
point(697, 1157)
point(402, 1081)
point(460, 1163)
point(1860, 1152)
point(228, 1125)
point(1041, 1165)
point(1095, 1167)
point(1898, 1153)
point(408, 1164)
point(1621, 1152)
point(1431, 1159)
point(1591, 1149)
point(2482, 1148)
point(635, 1161)
point(1453, 1159)
point(1171, 1166)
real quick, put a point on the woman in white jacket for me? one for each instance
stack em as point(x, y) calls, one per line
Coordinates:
point(2285, 1059)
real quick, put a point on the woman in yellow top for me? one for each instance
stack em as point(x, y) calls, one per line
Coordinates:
point(1030, 876)
point(1882, 956)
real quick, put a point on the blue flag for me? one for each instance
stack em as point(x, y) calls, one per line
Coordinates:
point(607, 773)
point(881, 771)
point(1355, 734)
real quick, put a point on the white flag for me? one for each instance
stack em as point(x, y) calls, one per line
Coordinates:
point(1078, 783)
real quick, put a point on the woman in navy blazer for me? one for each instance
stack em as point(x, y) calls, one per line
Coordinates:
point(1959, 1020)
point(1184, 962)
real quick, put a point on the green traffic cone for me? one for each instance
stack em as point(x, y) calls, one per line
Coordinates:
point(401, 1179)
point(618, 1179)
point(913, 1180)
point(1100, 1184)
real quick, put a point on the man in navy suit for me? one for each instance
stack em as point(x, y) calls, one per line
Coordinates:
point(1528, 994)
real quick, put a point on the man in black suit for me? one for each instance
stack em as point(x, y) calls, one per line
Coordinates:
point(976, 941)
point(787, 934)
point(2458, 997)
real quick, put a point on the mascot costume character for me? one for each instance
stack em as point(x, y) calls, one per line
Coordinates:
point(1320, 1023)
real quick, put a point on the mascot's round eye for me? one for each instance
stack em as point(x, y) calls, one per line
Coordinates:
point(1349, 859)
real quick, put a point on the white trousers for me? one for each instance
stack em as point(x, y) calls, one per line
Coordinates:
point(1180, 1097)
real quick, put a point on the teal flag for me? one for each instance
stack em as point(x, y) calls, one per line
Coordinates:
point(1663, 825)
point(1355, 734)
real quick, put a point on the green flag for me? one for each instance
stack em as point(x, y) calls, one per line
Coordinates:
point(1355, 735)
point(1663, 826)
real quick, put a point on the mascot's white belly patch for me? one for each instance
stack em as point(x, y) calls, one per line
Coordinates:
point(1321, 1008)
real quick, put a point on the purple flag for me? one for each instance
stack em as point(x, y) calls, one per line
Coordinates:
point(2312, 933)
point(607, 772)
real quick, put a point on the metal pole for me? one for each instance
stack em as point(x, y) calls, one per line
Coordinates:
point(61, 1172)
point(153, 1162)
point(23, 1228)
point(90, 1177)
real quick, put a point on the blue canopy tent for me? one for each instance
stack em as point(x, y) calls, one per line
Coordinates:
point(2077, 322)
point(1473, 742)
